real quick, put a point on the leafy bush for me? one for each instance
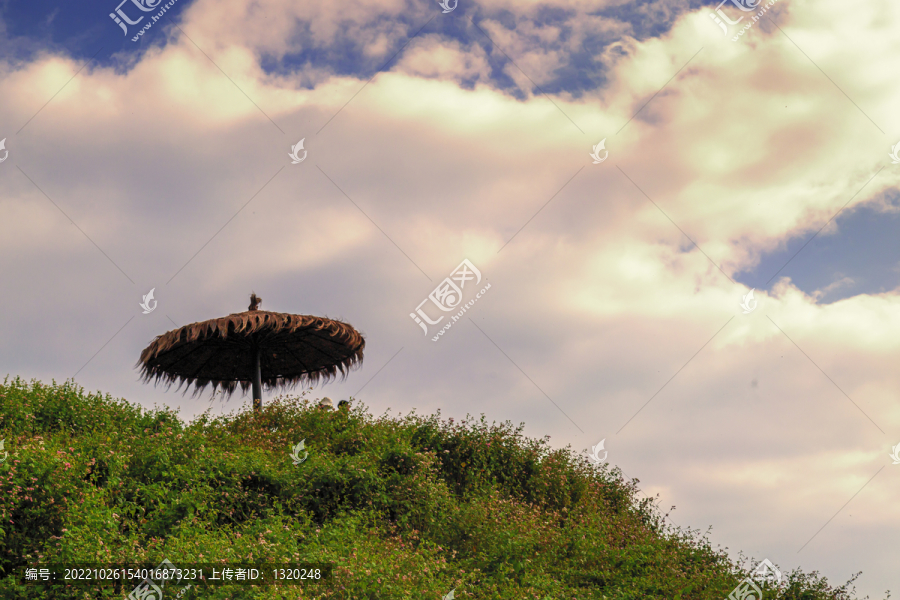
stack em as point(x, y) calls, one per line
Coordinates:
point(409, 507)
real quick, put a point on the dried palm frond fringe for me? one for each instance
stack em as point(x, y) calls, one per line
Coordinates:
point(294, 349)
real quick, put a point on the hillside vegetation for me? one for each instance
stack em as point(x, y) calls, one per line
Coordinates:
point(402, 507)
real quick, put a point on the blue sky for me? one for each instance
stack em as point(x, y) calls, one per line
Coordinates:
point(79, 29)
point(861, 257)
point(85, 30)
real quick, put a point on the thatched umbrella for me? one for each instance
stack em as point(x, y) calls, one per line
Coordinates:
point(251, 348)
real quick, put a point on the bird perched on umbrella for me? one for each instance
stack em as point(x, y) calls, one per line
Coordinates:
point(253, 347)
point(255, 301)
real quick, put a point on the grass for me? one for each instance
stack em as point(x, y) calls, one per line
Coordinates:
point(402, 507)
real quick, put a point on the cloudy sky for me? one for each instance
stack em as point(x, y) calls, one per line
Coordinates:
point(730, 162)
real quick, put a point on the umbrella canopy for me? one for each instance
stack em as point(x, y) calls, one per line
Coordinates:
point(252, 348)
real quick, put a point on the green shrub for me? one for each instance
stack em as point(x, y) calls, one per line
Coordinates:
point(407, 507)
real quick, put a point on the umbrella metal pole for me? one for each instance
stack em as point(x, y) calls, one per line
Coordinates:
point(257, 379)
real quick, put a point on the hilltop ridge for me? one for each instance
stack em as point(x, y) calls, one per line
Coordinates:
point(402, 507)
